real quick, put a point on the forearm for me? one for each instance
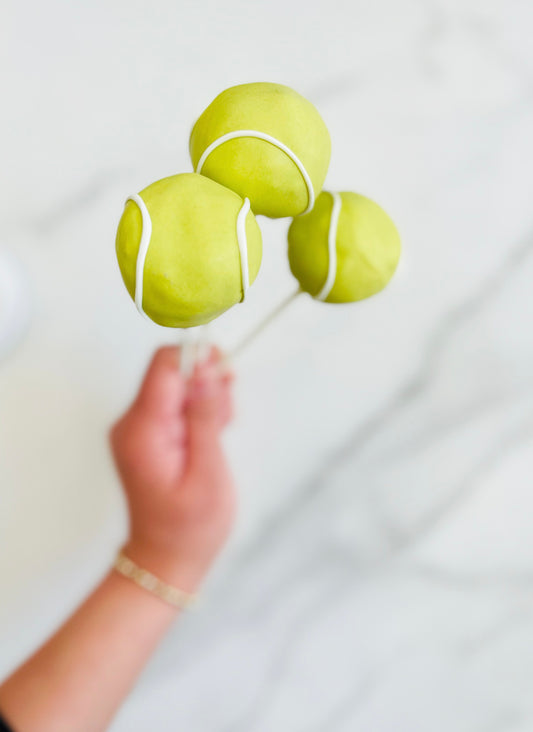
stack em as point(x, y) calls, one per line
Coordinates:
point(77, 680)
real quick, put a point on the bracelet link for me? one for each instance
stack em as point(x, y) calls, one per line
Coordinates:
point(149, 582)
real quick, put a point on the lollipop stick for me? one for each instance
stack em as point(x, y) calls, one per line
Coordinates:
point(202, 351)
point(187, 354)
point(264, 323)
point(194, 348)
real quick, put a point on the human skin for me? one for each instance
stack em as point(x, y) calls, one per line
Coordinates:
point(181, 505)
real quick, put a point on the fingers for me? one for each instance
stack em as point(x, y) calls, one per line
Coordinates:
point(206, 395)
point(226, 401)
point(208, 402)
point(162, 392)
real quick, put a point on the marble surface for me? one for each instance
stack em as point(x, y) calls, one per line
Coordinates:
point(381, 573)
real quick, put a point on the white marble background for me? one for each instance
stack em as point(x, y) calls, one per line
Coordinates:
point(381, 575)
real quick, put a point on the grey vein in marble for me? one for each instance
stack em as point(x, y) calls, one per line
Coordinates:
point(413, 389)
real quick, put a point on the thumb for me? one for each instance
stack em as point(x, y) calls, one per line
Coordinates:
point(162, 392)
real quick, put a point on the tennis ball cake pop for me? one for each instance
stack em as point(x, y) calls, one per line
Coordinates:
point(346, 249)
point(266, 142)
point(188, 249)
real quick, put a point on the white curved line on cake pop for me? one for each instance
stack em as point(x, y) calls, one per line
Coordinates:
point(273, 141)
point(146, 235)
point(243, 246)
point(332, 248)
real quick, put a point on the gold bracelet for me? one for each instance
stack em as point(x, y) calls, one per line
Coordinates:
point(148, 581)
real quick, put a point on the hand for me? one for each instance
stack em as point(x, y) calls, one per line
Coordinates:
point(168, 453)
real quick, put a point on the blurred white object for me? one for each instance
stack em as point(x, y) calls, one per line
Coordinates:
point(15, 303)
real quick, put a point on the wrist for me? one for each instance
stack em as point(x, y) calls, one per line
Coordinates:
point(175, 571)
